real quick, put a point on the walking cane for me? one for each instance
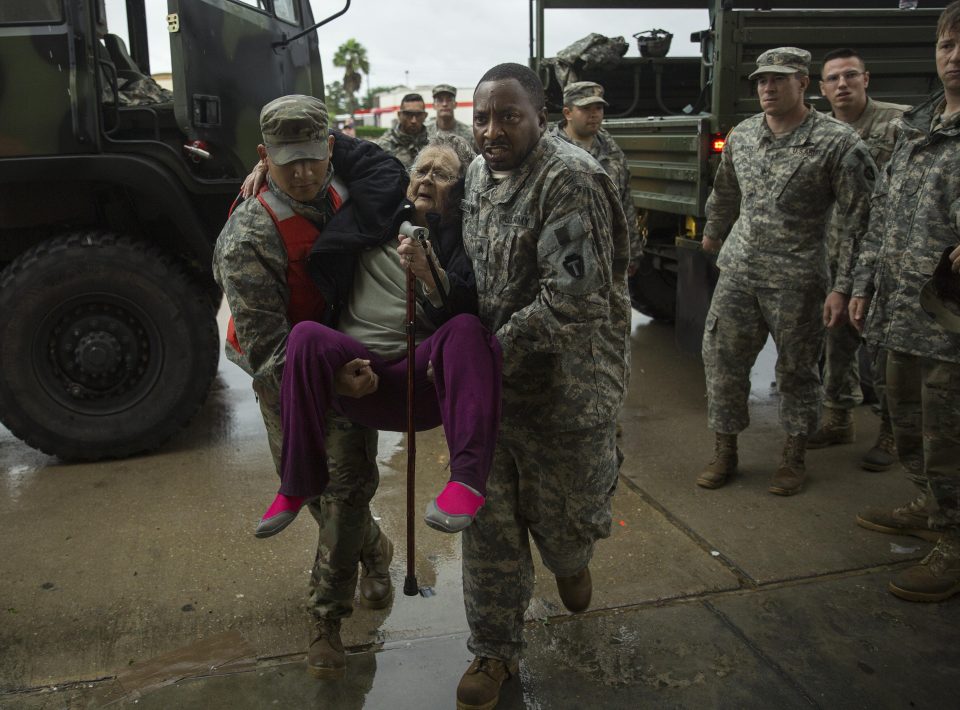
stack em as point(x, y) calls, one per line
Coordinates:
point(410, 586)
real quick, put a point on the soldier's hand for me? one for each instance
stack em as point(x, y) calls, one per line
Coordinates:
point(253, 181)
point(835, 310)
point(355, 379)
point(858, 311)
point(711, 245)
point(955, 258)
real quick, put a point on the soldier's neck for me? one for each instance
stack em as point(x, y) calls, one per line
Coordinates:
point(446, 123)
point(952, 101)
point(849, 114)
point(585, 142)
point(782, 125)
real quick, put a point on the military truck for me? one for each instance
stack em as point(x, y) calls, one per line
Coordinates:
point(671, 114)
point(112, 194)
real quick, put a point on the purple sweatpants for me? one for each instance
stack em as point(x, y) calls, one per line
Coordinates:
point(464, 397)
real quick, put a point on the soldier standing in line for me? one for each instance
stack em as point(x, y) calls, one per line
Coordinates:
point(915, 223)
point(780, 173)
point(268, 290)
point(409, 136)
point(547, 237)
point(844, 81)
point(582, 125)
point(445, 102)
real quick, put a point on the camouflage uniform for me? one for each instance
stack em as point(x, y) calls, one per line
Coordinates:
point(606, 152)
point(775, 194)
point(841, 373)
point(250, 264)
point(917, 217)
point(549, 248)
point(459, 129)
point(402, 145)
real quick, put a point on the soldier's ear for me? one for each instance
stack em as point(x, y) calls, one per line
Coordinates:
point(542, 119)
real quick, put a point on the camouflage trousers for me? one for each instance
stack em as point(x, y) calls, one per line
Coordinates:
point(555, 487)
point(841, 368)
point(348, 532)
point(924, 399)
point(738, 322)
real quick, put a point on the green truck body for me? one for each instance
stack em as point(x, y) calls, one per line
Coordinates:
point(109, 209)
point(669, 113)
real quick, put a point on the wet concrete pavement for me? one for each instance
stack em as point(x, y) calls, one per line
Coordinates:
point(119, 578)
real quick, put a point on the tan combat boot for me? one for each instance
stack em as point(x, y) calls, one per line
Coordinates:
point(376, 589)
point(790, 477)
point(724, 463)
point(837, 428)
point(479, 689)
point(936, 578)
point(910, 519)
point(884, 453)
point(326, 657)
point(576, 590)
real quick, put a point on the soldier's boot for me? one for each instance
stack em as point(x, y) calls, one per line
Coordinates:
point(376, 589)
point(479, 688)
point(576, 590)
point(884, 453)
point(792, 474)
point(326, 657)
point(837, 428)
point(910, 519)
point(936, 578)
point(724, 462)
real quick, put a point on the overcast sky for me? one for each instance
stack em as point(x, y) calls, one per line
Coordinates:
point(426, 42)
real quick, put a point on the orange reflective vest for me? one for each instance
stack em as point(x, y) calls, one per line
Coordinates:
point(305, 302)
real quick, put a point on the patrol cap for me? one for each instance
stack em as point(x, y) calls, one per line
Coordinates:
point(583, 93)
point(445, 89)
point(295, 128)
point(783, 60)
point(940, 296)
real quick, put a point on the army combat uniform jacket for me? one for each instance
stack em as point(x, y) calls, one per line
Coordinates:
point(606, 152)
point(917, 216)
point(403, 146)
point(549, 250)
point(772, 195)
point(877, 129)
point(459, 129)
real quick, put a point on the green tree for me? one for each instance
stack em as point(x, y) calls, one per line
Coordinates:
point(335, 98)
point(351, 56)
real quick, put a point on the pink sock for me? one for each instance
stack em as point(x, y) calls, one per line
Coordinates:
point(282, 504)
point(459, 499)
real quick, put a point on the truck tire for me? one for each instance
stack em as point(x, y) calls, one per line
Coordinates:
point(654, 292)
point(106, 347)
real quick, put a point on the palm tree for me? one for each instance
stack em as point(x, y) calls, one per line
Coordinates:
point(352, 56)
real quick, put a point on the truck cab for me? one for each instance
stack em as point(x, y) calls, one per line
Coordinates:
point(114, 190)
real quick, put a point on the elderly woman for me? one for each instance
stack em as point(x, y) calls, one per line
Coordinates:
point(360, 369)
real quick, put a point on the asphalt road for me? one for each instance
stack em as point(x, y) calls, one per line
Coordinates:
point(139, 582)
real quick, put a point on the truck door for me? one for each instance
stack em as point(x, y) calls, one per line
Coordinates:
point(42, 53)
point(227, 65)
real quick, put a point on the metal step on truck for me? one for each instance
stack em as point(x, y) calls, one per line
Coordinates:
point(112, 193)
point(670, 114)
